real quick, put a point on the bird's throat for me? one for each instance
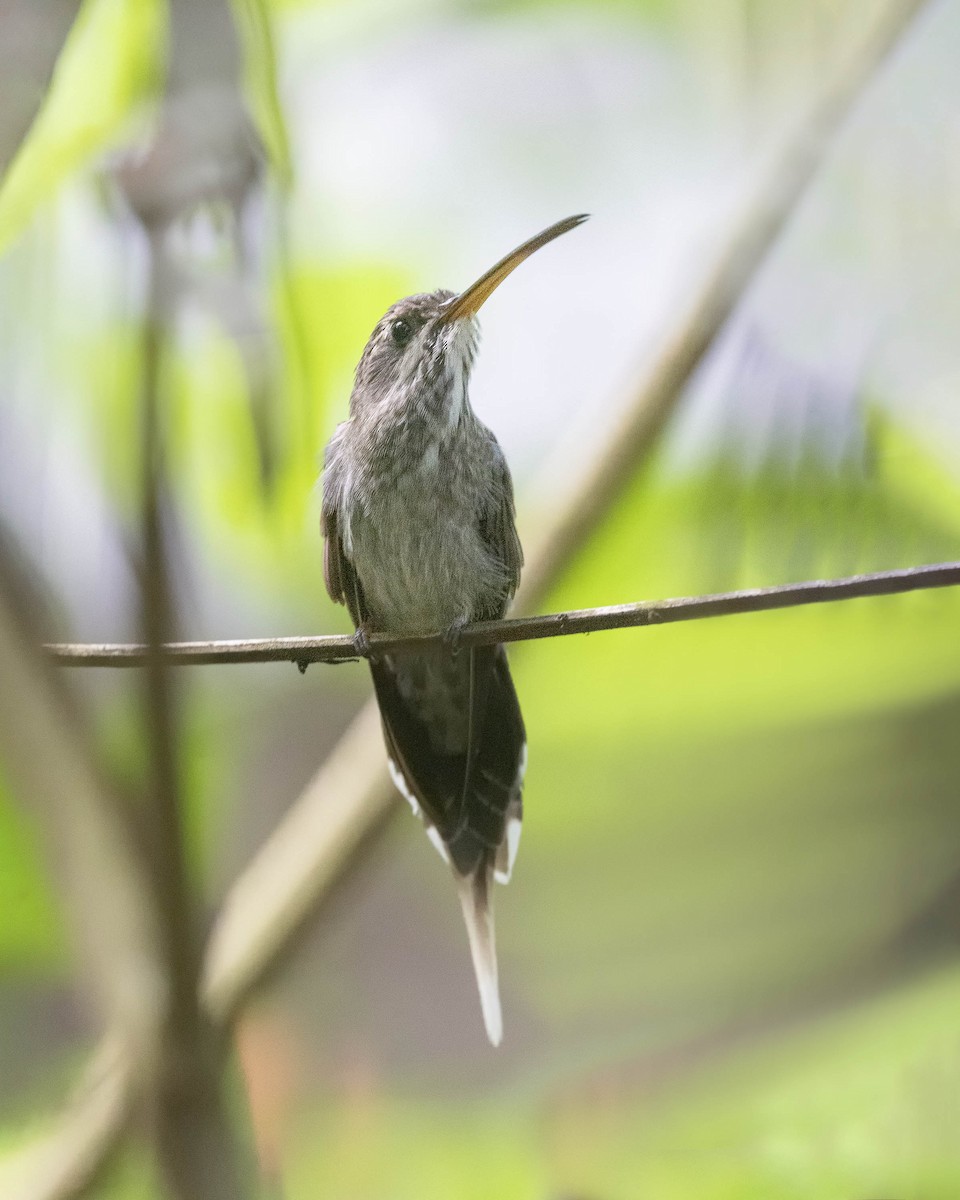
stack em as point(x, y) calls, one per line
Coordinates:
point(459, 349)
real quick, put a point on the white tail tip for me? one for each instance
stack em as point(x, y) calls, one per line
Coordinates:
point(474, 900)
point(507, 854)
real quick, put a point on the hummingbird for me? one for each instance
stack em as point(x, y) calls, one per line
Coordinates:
point(419, 532)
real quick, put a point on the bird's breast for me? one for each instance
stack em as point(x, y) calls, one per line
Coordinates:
point(416, 545)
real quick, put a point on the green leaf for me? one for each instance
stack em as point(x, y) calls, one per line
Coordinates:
point(111, 62)
point(255, 23)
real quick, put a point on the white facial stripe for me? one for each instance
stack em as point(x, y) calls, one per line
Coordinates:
point(457, 393)
point(460, 345)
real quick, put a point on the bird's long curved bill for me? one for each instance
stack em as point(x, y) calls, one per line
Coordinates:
point(469, 302)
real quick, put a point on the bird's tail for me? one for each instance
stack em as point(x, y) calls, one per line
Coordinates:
point(476, 902)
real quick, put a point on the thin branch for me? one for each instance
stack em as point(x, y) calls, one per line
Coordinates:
point(338, 648)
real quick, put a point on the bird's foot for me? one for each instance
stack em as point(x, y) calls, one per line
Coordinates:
point(451, 635)
point(361, 642)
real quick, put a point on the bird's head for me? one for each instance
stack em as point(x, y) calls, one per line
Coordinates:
point(422, 350)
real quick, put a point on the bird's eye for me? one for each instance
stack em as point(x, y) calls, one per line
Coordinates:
point(401, 331)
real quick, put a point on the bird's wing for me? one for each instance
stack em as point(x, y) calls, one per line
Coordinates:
point(333, 557)
point(338, 573)
point(501, 748)
point(498, 528)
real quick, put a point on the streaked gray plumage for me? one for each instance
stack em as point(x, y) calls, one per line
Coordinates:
point(418, 522)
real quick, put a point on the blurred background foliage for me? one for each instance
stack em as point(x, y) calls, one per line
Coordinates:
point(729, 953)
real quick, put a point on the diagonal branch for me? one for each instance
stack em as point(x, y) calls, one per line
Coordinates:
point(32, 38)
point(101, 873)
point(696, 325)
point(64, 1162)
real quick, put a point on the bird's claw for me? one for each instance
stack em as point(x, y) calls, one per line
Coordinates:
point(452, 634)
point(361, 642)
